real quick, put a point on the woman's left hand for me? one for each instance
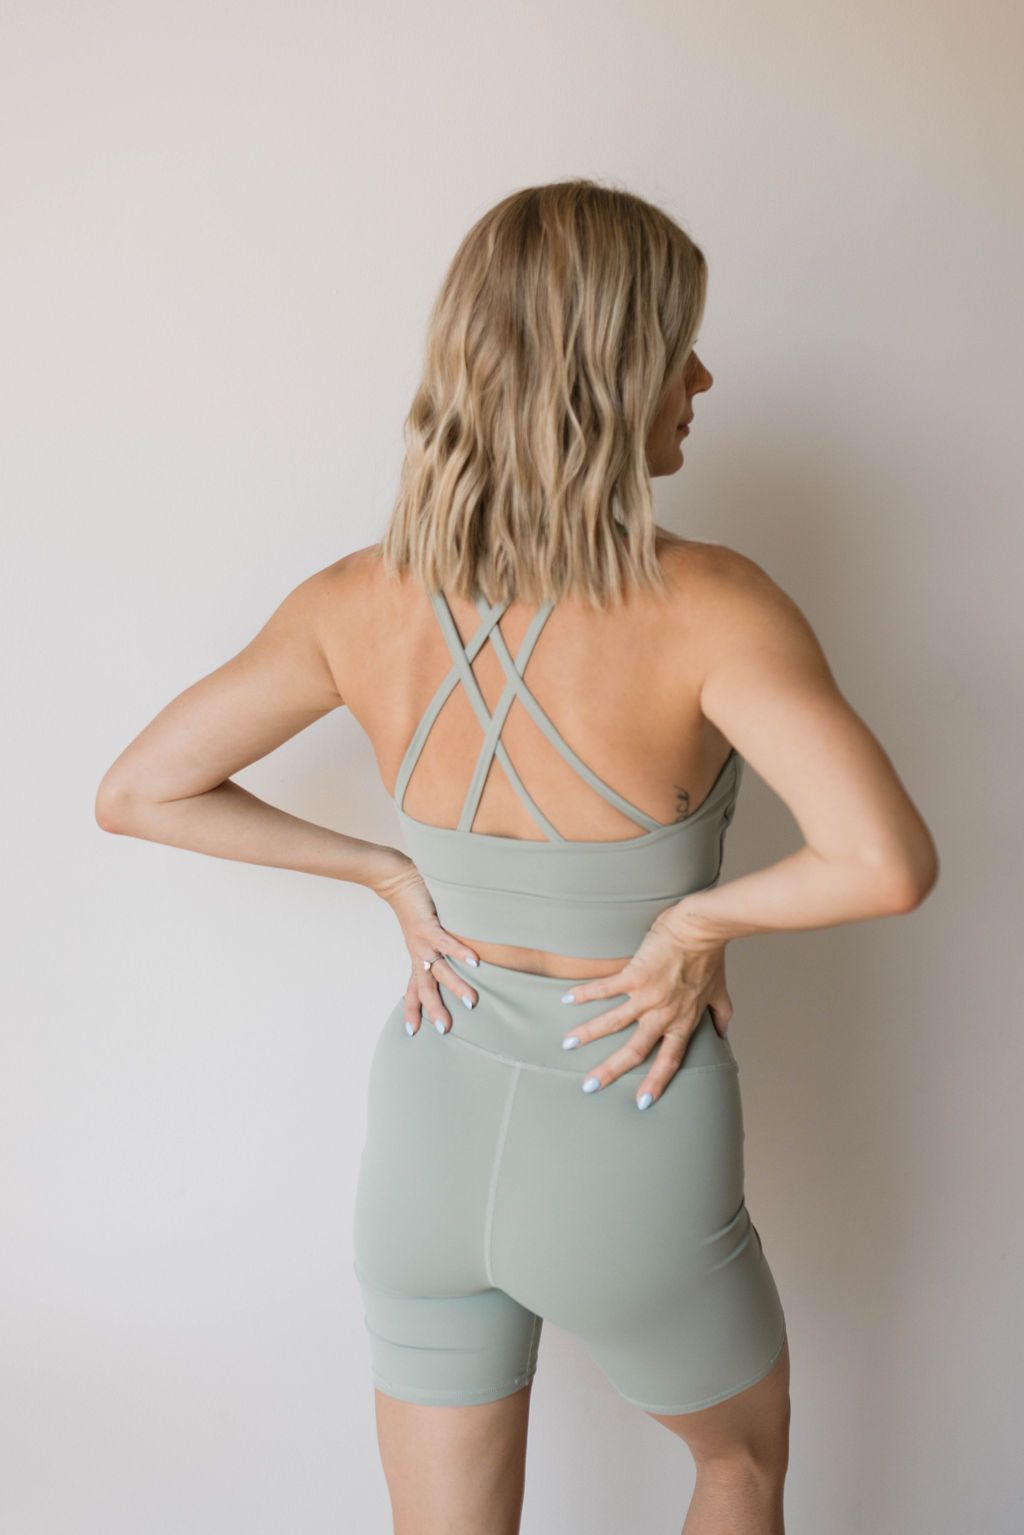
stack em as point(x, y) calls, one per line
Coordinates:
point(427, 942)
point(675, 974)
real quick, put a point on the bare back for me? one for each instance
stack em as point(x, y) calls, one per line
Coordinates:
point(622, 686)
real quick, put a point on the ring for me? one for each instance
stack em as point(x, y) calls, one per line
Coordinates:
point(427, 963)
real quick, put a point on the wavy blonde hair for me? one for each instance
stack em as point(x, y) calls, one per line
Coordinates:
point(565, 314)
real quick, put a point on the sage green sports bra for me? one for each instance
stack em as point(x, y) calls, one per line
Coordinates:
point(591, 899)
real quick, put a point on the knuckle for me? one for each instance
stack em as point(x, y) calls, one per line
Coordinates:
point(668, 1063)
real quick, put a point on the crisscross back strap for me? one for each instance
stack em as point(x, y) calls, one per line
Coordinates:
point(491, 724)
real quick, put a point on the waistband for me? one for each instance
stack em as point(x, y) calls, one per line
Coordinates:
point(520, 1017)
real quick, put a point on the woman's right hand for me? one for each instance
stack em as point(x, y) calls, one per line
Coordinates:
point(427, 941)
point(675, 974)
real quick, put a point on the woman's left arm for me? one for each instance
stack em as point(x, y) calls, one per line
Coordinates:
point(172, 783)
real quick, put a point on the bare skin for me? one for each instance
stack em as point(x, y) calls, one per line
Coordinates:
point(643, 672)
point(456, 1470)
point(462, 1470)
point(642, 668)
point(728, 658)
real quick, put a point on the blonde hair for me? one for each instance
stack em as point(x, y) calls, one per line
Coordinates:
point(565, 314)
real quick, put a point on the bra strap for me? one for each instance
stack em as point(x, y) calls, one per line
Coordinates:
point(515, 681)
point(492, 745)
point(433, 709)
point(492, 734)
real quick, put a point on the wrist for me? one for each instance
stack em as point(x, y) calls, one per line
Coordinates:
point(689, 924)
point(389, 870)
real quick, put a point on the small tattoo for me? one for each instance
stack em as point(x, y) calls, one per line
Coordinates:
point(682, 803)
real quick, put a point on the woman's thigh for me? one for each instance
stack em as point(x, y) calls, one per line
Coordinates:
point(453, 1468)
point(747, 1430)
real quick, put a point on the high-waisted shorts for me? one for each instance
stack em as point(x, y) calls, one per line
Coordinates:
point(493, 1193)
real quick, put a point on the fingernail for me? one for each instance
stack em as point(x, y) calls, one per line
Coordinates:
point(591, 1084)
point(439, 1025)
point(408, 1027)
point(568, 997)
point(570, 1043)
point(467, 1001)
point(471, 961)
point(644, 1101)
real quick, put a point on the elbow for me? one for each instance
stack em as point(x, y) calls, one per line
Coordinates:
point(112, 808)
point(906, 868)
point(910, 884)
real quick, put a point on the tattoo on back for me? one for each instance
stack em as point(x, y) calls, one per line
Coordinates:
point(682, 803)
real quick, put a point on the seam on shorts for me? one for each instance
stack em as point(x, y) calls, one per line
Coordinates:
point(566, 1071)
point(495, 1169)
point(381, 1289)
point(505, 1387)
point(711, 1401)
point(537, 1319)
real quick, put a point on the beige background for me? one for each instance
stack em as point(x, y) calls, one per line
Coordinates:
point(221, 228)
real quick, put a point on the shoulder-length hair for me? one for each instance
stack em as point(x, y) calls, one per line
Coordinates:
point(566, 312)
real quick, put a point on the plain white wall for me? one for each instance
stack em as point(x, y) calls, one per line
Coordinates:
point(221, 229)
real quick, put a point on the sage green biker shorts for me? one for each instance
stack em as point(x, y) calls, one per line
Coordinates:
point(493, 1193)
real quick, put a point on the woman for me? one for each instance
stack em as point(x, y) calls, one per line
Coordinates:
point(561, 697)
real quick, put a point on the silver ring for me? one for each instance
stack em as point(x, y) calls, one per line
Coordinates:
point(428, 962)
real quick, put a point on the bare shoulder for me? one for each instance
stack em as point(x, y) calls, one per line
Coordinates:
point(768, 687)
point(735, 601)
point(338, 593)
point(732, 573)
point(694, 561)
point(352, 573)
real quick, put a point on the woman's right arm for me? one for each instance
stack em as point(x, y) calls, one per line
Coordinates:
point(768, 687)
